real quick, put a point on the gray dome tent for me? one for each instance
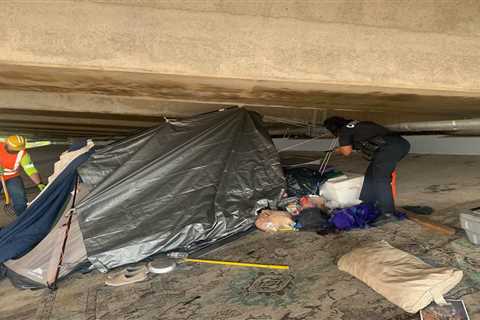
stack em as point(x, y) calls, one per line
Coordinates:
point(179, 186)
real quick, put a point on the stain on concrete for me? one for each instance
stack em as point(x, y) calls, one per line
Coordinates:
point(436, 188)
point(270, 283)
point(91, 304)
point(45, 307)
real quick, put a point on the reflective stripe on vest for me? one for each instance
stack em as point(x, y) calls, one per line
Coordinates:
point(11, 172)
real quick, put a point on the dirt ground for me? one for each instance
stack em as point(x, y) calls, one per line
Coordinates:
point(313, 288)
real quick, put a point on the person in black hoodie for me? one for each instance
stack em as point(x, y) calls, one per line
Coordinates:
point(382, 147)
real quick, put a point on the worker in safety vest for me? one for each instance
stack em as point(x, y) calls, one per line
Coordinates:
point(13, 156)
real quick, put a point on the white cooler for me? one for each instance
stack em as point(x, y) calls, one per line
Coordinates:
point(343, 191)
point(470, 222)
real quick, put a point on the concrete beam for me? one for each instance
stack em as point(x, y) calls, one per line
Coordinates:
point(374, 43)
point(38, 111)
point(13, 116)
point(155, 87)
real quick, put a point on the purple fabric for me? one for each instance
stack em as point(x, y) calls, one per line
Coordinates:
point(358, 216)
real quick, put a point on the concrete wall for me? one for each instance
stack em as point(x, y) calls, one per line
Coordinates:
point(407, 44)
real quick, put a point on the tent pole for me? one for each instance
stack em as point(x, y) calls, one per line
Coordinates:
point(53, 286)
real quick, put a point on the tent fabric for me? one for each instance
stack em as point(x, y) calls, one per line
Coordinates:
point(178, 186)
point(68, 156)
point(35, 269)
point(36, 222)
point(40, 264)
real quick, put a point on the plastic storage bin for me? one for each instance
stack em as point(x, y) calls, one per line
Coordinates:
point(470, 222)
point(343, 191)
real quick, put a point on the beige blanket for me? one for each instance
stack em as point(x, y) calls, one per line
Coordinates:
point(400, 277)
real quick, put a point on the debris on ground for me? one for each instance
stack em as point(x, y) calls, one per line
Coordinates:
point(425, 210)
point(453, 310)
point(470, 222)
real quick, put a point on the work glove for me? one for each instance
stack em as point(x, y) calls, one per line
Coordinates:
point(41, 186)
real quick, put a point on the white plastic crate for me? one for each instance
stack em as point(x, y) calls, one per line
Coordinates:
point(470, 222)
point(343, 191)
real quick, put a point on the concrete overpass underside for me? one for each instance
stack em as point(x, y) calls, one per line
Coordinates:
point(103, 68)
point(59, 102)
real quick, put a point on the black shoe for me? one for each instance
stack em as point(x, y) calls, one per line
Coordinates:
point(383, 218)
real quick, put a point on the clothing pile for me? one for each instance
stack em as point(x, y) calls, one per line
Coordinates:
point(309, 213)
point(314, 202)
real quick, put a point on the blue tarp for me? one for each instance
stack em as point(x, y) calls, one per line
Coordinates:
point(36, 222)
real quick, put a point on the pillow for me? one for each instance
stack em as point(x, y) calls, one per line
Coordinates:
point(400, 277)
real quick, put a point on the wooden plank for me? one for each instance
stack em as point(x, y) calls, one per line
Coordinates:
point(429, 224)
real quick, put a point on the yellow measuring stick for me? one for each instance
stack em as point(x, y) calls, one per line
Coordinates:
point(239, 264)
point(5, 191)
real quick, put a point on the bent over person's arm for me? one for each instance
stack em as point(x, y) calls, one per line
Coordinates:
point(345, 139)
point(31, 171)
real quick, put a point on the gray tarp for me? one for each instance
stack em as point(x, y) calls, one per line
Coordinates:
point(177, 186)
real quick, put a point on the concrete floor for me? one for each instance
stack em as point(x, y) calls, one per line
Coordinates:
point(313, 288)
